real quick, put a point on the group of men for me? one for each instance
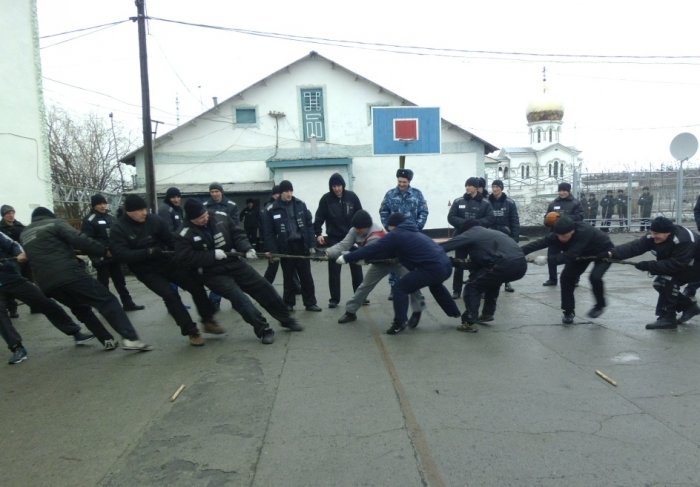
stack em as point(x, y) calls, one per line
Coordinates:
point(200, 245)
point(610, 203)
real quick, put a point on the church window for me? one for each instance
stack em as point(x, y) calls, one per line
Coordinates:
point(550, 169)
point(505, 173)
point(561, 170)
point(550, 134)
point(556, 169)
point(539, 135)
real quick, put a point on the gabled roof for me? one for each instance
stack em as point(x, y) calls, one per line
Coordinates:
point(229, 188)
point(130, 158)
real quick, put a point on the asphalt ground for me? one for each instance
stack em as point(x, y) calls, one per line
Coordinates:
point(517, 404)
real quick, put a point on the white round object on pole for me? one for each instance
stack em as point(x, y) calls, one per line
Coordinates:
point(684, 146)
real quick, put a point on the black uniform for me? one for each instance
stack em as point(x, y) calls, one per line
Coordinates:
point(590, 211)
point(250, 218)
point(141, 246)
point(97, 225)
point(495, 258)
point(224, 207)
point(14, 231)
point(337, 214)
point(505, 216)
point(646, 201)
point(677, 263)
point(289, 230)
point(462, 209)
point(570, 207)
point(586, 241)
point(607, 209)
point(622, 201)
point(172, 215)
point(194, 249)
point(50, 244)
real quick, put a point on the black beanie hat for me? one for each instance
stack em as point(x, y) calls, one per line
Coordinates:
point(405, 173)
point(361, 219)
point(482, 183)
point(216, 186)
point(472, 182)
point(395, 219)
point(286, 186)
point(662, 224)
point(41, 211)
point(565, 187)
point(97, 199)
point(249, 200)
point(134, 202)
point(5, 209)
point(609, 191)
point(468, 223)
point(194, 209)
point(498, 183)
point(276, 189)
point(564, 225)
point(172, 193)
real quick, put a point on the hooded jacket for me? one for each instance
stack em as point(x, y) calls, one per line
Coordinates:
point(468, 207)
point(172, 215)
point(673, 256)
point(336, 212)
point(224, 207)
point(375, 232)
point(130, 241)
point(413, 249)
point(505, 216)
point(586, 241)
point(50, 244)
point(485, 247)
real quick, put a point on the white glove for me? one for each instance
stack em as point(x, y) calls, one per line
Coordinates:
point(251, 254)
point(361, 262)
point(340, 260)
point(219, 254)
point(540, 260)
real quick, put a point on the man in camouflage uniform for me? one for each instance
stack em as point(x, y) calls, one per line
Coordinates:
point(407, 200)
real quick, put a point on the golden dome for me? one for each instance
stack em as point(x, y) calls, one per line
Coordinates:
point(545, 108)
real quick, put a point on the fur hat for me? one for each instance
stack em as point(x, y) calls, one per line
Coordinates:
point(286, 186)
point(564, 187)
point(216, 186)
point(97, 199)
point(361, 219)
point(194, 209)
point(564, 225)
point(405, 173)
point(662, 224)
point(395, 219)
point(134, 202)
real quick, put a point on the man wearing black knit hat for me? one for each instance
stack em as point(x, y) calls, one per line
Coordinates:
point(218, 203)
point(677, 251)
point(568, 241)
point(289, 230)
point(139, 240)
point(336, 209)
point(97, 225)
point(170, 210)
point(564, 204)
point(203, 244)
point(505, 216)
point(472, 205)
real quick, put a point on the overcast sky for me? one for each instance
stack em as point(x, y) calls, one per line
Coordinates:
point(618, 112)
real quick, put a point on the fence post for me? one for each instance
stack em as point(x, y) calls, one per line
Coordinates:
point(679, 196)
point(629, 201)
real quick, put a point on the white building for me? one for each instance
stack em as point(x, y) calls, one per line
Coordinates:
point(535, 171)
point(259, 137)
point(24, 154)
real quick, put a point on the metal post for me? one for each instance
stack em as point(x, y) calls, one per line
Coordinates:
point(146, 110)
point(679, 195)
point(629, 201)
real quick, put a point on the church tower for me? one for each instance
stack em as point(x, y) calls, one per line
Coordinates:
point(544, 118)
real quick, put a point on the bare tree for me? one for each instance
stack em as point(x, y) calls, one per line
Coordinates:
point(83, 152)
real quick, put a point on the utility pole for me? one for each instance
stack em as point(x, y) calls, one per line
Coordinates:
point(146, 108)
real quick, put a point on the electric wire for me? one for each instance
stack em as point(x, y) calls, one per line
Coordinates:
point(84, 29)
point(77, 37)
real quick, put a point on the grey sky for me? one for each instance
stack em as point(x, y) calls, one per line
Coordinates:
point(617, 113)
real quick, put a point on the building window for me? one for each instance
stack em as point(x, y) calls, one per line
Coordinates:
point(539, 135)
point(556, 169)
point(550, 134)
point(561, 170)
point(524, 172)
point(246, 115)
point(506, 174)
point(312, 113)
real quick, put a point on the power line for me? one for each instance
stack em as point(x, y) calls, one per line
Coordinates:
point(84, 29)
point(82, 35)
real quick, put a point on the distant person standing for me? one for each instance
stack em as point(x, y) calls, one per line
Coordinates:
point(170, 210)
point(505, 214)
point(607, 206)
point(249, 217)
point(646, 201)
point(590, 210)
point(622, 202)
point(564, 204)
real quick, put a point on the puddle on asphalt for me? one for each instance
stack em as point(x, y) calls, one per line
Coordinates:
point(626, 357)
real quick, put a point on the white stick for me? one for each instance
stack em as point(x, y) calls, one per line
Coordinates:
point(605, 377)
point(177, 393)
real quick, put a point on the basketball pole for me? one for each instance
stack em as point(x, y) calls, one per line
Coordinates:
point(402, 162)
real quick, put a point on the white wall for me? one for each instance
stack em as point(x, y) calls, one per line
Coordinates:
point(26, 176)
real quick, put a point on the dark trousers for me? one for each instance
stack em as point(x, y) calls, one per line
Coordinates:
point(488, 282)
point(606, 221)
point(114, 270)
point(671, 300)
point(646, 222)
point(432, 278)
point(84, 294)
point(31, 295)
point(301, 267)
point(334, 275)
point(458, 275)
point(552, 266)
point(26, 272)
point(271, 274)
point(623, 218)
point(243, 277)
point(571, 275)
point(159, 283)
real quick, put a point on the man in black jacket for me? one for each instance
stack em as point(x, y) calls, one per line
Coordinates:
point(220, 204)
point(590, 210)
point(471, 205)
point(50, 244)
point(569, 241)
point(170, 211)
point(97, 225)
point(494, 259)
point(607, 209)
point(677, 251)
point(13, 229)
point(140, 239)
point(505, 216)
point(203, 243)
point(622, 203)
point(289, 230)
point(646, 201)
point(250, 219)
point(564, 204)
point(336, 209)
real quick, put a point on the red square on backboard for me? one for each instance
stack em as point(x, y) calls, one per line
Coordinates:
point(406, 129)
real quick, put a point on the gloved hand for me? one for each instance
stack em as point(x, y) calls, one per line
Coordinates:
point(219, 254)
point(155, 252)
point(340, 260)
point(361, 262)
point(541, 260)
point(272, 259)
point(603, 255)
point(643, 265)
point(251, 254)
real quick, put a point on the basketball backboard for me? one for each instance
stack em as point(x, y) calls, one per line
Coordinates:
point(405, 130)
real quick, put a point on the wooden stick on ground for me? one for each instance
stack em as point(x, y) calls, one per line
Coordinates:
point(177, 393)
point(605, 377)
